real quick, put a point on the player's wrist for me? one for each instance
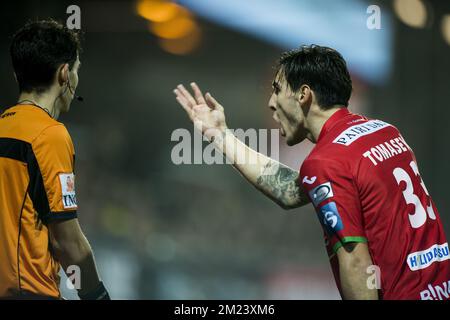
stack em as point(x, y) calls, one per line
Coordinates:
point(218, 135)
point(98, 293)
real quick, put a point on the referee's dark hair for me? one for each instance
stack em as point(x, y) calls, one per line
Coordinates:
point(38, 49)
point(321, 68)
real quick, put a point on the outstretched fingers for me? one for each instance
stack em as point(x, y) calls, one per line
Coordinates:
point(188, 102)
point(186, 95)
point(184, 102)
point(198, 93)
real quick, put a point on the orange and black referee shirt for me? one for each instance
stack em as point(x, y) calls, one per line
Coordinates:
point(37, 186)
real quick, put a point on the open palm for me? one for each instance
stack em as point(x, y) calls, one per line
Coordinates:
point(204, 111)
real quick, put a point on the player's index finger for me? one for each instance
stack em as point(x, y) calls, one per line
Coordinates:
point(212, 102)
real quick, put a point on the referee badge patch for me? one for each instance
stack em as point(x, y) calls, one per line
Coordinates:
point(69, 198)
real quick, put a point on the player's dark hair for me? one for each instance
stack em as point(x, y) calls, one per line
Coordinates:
point(38, 49)
point(323, 69)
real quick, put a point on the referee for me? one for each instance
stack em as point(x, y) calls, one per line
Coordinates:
point(39, 229)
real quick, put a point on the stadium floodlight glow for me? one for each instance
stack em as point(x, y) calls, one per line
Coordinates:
point(446, 28)
point(179, 27)
point(184, 45)
point(413, 13)
point(174, 25)
point(157, 10)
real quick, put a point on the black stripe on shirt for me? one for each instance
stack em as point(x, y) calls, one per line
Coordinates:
point(14, 149)
point(22, 151)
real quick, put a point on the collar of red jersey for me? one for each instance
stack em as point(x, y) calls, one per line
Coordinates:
point(332, 121)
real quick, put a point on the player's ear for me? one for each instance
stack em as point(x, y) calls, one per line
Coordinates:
point(304, 96)
point(62, 74)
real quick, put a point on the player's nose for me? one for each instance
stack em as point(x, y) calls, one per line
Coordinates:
point(272, 103)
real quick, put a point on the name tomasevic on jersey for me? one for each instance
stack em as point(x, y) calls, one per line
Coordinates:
point(363, 180)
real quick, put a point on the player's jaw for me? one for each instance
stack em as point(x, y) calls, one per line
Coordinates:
point(294, 134)
point(290, 121)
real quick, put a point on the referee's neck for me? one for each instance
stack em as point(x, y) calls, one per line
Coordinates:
point(45, 100)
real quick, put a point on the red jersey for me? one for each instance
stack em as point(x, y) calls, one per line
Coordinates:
point(363, 180)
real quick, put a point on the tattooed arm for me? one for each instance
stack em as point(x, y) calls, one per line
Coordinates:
point(281, 186)
point(272, 178)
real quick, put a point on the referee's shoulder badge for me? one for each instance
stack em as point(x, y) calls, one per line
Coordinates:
point(69, 198)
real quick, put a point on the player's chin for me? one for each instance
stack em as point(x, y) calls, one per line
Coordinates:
point(292, 140)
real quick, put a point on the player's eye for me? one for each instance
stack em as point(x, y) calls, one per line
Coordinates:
point(276, 87)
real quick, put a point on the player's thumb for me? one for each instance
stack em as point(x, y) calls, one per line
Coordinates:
point(212, 103)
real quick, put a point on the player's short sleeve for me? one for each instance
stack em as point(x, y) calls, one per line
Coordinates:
point(52, 178)
point(332, 191)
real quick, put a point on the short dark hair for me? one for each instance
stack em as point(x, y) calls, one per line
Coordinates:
point(323, 69)
point(38, 49)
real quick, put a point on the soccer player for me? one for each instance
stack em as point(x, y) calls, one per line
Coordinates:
point(379, 220)
point(39, 229)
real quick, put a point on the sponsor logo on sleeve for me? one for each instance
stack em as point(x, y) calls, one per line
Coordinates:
point(330, 218)
point(69, 198)
point(423, 259)
point(355, 132)
point(307, 180)
point(321, 193)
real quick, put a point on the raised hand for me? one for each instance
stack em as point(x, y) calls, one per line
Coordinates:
point(204, 111)
point(272, 178)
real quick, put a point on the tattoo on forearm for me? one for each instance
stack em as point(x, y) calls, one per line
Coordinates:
point(281, 184)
